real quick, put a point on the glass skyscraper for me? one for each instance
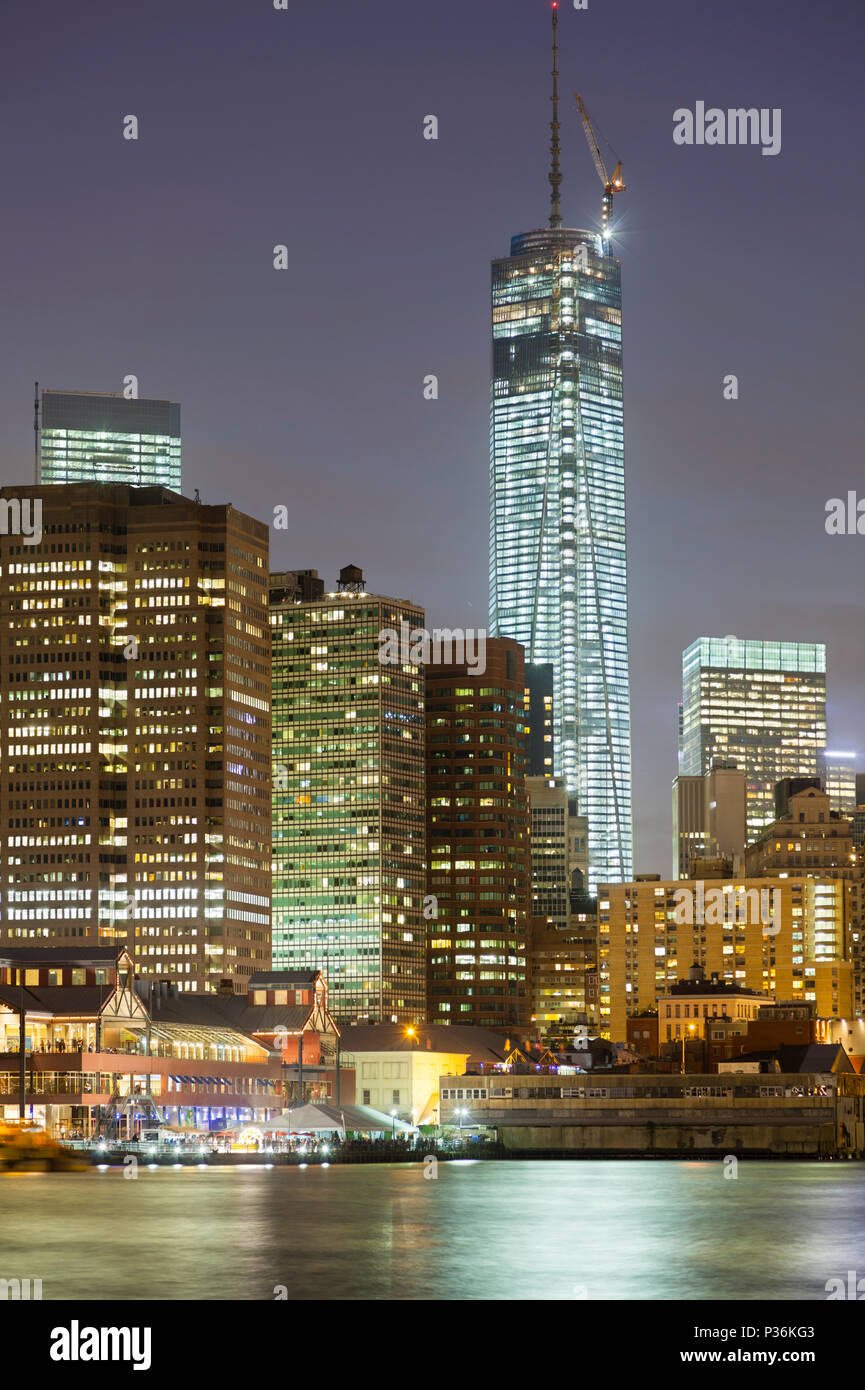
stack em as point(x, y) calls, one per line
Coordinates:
point(558, 574)
point(92, 437)
point(349, 813)
point(758, 705)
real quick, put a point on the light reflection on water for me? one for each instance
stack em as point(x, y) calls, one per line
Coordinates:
point(484, 1230)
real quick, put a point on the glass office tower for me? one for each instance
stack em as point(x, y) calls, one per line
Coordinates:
point(92, 437)
point(760, 706)
point(558, 576)
point(349, 813)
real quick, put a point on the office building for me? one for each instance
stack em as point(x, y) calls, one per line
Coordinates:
point(709, 818)
point(759, 705)
point(837, 772)
point(349, 817)
point(553, 836)
point(562, 979)
point(782, 936)
point(539, 714)
point(478, 828)
point(558, 577)
point(135, 699)
point(103, 437)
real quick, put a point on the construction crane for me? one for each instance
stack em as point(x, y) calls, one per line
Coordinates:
point(616, 184)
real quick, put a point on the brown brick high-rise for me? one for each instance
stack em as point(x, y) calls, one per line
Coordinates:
point(478, 822)
point(135, 701)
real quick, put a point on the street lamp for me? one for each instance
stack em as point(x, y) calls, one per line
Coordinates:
point(692, 1028)
point(392, 1125)
point(461, 1113)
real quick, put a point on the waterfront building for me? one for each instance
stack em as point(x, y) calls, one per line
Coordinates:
point(107, 1052)
point(397, 1067)
point(135, 705)
point(106, 437)
point(785, 937)
point(349, 814)
point(479, 848)
point(811, 1107)
point(709, 818)
point(558, 572)
point(759, 705)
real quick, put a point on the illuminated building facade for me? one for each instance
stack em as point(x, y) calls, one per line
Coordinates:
point(838, 778)
point(135, 703)
point(558, 847)
point(349, 820)
point(480, 868)
point(645, 941)
point(111, 1054)
point(558, 575)
point(561, 965)
point(103, 437)
point(813, 839)
point(760, 705)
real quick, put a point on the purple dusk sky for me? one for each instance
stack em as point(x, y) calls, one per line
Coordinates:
point(304, 387)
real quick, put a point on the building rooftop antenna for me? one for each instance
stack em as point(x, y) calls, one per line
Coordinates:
point(555, 147)
point(36, 432)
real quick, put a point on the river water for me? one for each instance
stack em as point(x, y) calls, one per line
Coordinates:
point(477, 1230)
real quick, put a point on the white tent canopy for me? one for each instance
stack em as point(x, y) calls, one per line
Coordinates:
point(359, 1118)
point(313, 1119)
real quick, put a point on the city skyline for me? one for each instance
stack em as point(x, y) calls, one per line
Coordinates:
point(250, 397)
point(340, 768)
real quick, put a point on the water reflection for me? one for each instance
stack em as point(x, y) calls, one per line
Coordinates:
point(619, 1231)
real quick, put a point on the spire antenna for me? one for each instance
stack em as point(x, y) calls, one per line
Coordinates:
point(555, 147)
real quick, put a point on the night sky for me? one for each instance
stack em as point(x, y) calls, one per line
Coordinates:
point(304, 387)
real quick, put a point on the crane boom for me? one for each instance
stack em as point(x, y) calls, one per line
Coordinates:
point(592, 142)
point(614, 184)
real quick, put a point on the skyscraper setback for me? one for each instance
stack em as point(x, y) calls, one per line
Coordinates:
point(106, 437)
point(558, 574)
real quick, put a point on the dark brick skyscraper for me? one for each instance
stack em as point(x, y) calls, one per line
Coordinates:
point(135, 698)
point(478, 823)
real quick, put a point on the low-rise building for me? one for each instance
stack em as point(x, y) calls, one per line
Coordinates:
point(688, 1008)
point(397, 1068)
point(816, 1112)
